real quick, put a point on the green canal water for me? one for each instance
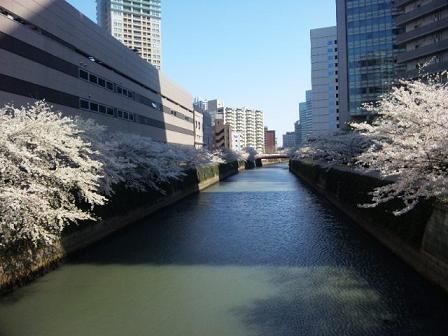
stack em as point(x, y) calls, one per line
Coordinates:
point(258, 254)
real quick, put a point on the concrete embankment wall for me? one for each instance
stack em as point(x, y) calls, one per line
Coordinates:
point(267, 162)
point(20, 264)
point(419, 237)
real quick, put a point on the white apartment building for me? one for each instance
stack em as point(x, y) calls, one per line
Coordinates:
point(136, 23)
point(324, 79)
point(247, 123)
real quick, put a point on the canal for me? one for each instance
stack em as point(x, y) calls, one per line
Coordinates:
point(258, 254)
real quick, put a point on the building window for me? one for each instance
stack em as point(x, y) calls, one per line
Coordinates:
point(83, 74)
point(110, 86)
point(101, 82)
point(102, 109)
point(110, 111)
point(83, 104)
point(93, 79)
point(94, 107)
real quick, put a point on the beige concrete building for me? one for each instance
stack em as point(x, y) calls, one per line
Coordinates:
point(137, 24)
point(49, 50)
point(222, 135)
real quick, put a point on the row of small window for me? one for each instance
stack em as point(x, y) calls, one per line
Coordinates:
point(95, 107)
point(94, 79)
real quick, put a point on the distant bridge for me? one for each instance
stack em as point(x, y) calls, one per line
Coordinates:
point(272, 156)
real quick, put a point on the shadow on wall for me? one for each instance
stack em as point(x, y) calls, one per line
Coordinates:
point(108, 82)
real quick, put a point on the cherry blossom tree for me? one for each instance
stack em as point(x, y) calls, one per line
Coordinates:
point(338, 148)
point(55, 169)
point(409, 142)
point(47, 170)
point(406, 142)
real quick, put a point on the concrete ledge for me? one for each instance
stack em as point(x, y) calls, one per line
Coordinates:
point(411, 237)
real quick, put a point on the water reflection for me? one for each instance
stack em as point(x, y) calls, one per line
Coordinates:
point(233, 261)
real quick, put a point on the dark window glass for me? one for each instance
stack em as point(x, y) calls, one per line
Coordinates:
point(102, 109)
point(119, 90)
point(101, 82)
point(110, 111)
point(125, 92)
point(94, 107)
point(130, 94)
point(120, 114)
point(110, 86)
point(84, 104)
point(83, 74)
point(125, 115)
point(131, 117)
point(93, 79)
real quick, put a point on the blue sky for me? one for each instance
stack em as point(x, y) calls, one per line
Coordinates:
point(253, 53)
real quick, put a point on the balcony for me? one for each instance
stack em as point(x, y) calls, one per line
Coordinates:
point(421, 11)
point(423, 51)
point(430, 69)
point(422, 31)
point(400, 3)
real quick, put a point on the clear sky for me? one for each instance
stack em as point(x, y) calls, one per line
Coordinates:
point(253, 53)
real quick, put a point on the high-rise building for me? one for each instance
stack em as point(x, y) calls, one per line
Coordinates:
point(305, 112)
point(136, 23)
point(424, 36)
point(216, 109)
point(367, 53)
point(249, 124)
point(289, 140)
point(324, 79)
point(270, 141)
point(207, 126)
point(198, 118)
point(298, 132)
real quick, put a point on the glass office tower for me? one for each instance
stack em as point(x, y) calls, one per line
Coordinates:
point(367, 53)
